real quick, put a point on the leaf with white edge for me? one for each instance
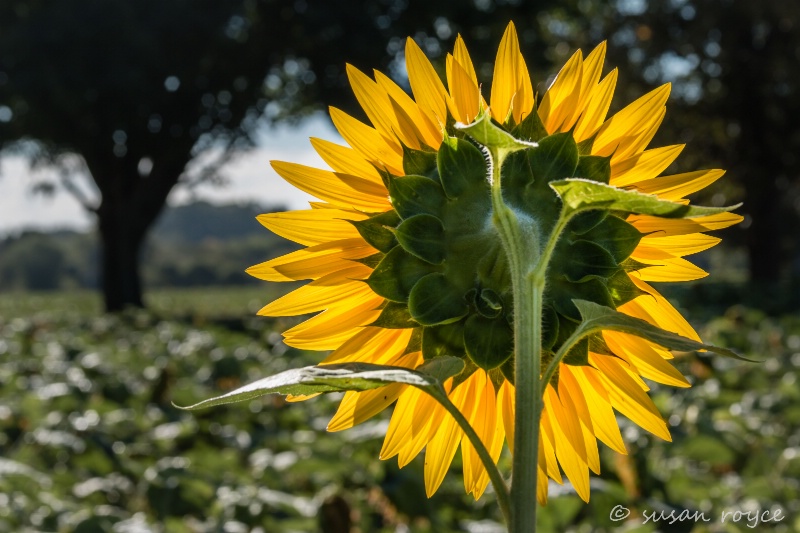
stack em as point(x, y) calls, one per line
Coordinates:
point(582, 195)
point(601, 318)
point(326, 378)
point(442, 368)
point(493, 136)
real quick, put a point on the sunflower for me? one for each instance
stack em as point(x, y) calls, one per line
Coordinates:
point(405, 265)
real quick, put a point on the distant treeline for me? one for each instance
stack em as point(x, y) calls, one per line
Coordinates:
point(194, 244)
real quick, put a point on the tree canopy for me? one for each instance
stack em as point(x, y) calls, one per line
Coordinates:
point(138, 90)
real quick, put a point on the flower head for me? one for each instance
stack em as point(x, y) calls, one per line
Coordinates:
point(405, 264)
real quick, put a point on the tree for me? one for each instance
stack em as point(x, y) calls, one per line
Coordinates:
point(736, 86)
point(141, 91)
point(135, 91)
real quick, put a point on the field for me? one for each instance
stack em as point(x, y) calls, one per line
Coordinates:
point(90, 440)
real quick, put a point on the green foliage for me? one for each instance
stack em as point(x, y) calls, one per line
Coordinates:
point(88, 436)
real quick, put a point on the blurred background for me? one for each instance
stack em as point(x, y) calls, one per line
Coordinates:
point(134, 146)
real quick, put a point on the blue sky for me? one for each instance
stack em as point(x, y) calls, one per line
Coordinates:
point(250, 178)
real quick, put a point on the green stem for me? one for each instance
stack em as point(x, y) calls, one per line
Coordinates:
point(500, 488)
point(528, 411)
point(540, 269)
point(522, 251)
point(528, 267)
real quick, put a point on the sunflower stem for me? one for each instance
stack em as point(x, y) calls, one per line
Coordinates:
point(528, 294)
point(500, 487)
point(522, 250)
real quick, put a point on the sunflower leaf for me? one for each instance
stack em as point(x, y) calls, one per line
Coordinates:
point(489, 341)
point(434, 301)
point(327, 378)
point(461, 166)
point(579, 195)
point(421, 162)
point(555, 158)
point(601, 318)
point(412, 195)
point(442, 368)
point(489, 134)
point(375, 230)
point(423, 236)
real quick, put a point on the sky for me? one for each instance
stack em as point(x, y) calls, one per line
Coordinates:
point(249, 178)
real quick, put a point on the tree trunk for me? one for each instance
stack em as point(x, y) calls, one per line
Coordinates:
point(121, 243)
point(130, 205)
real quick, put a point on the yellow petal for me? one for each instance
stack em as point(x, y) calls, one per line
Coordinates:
point(644, 359)
point(400, 423)
point(292, 398)
point(312, 298)
point(345, 160)
point(575, 402)
point(632, 145)
point(313, 226)
point(442, 447)
point(604, 423)
point(428, 415)
point(415, 416)
point(461, 55)
point(644, 166)
point(541, 482)
point(548, 443)
point(629, 120)
point(375, 103)
point(656, 247)
point(332, 328)
point(627, 397)
point(431, 134)
point(680, 185)
point(327, 186)
point(560, 102)
point(597, 105)
point(592, 69)
point(371, 345)
point(512, 93)
point(569, 444)
point(313, 262)
point(357, 407)
point(523, 101)
point(658, 311)
point(464, 92)
point(672, 269)
point(406, 129)
point(368, 142)
point(657, 226)
point(505, 399)
point(428, 89)
point(478, 418)
point(489, 428)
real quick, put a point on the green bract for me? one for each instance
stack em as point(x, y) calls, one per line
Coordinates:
point(442, 267)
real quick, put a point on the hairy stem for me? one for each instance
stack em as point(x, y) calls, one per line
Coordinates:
point(522, 250)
